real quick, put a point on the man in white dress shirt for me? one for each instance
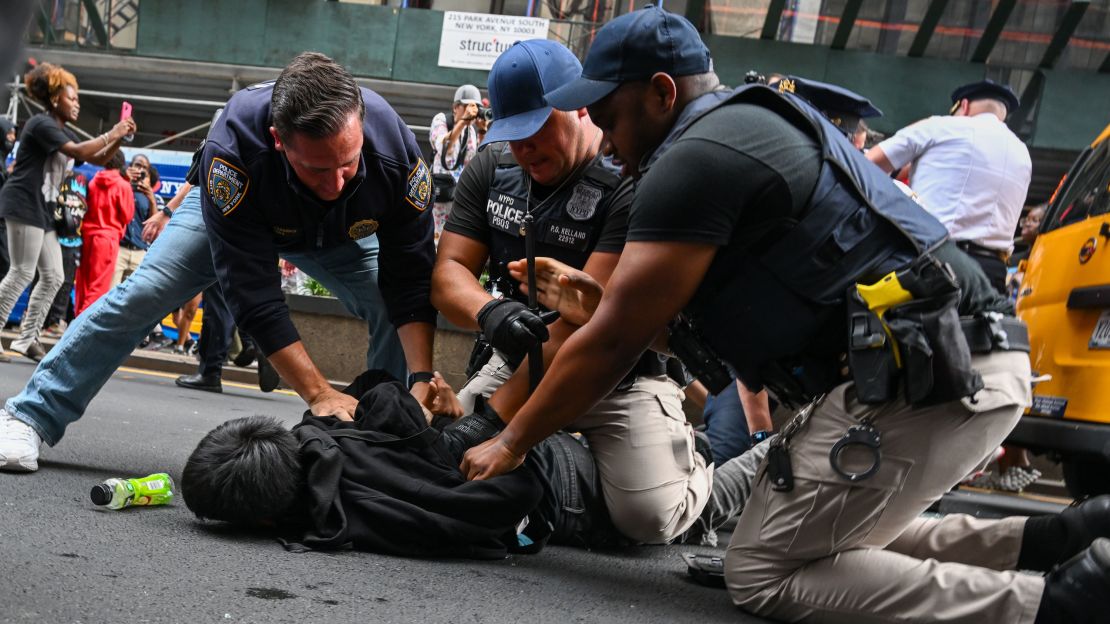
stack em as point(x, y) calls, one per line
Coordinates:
point(969, 170)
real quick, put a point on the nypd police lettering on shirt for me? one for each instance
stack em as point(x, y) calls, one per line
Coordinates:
point(506, 212)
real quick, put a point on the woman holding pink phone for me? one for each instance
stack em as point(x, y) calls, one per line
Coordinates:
point(47, 151)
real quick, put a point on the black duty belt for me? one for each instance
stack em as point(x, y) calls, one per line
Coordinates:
point(976, 249)
point(650, 365)
point(995, 332)
point(131, 246)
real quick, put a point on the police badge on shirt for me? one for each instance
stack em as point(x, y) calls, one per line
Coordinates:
point(583, 201)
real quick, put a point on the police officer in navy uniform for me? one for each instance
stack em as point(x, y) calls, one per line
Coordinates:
point(308, 167)
point(325, 173)
point(795, 257)
point(548, 164)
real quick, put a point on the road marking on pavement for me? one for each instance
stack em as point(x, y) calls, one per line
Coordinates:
point(233, 384)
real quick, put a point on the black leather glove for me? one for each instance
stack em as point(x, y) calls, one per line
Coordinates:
point(472, 429)
point(511, 327)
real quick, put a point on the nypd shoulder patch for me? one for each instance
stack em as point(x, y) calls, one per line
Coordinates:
point(227, 185)
point(418, 188)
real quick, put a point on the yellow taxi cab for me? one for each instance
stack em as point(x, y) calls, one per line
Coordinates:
point(1065, 299)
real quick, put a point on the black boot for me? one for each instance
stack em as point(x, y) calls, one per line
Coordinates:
point(472, 429)
point(267, 377)
point(1051, 540)
point(1078, 592)
point(208, 383)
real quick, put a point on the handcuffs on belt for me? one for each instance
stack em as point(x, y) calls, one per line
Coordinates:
point(780, 471)
point(863, 435)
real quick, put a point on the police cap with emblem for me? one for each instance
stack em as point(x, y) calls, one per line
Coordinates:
point(986, 90)
point(844, 108)
point(517, 82)
point(632, 47)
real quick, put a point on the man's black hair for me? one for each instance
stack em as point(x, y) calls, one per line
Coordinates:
point(117, 162)
point(247, 471)
point(314, 96)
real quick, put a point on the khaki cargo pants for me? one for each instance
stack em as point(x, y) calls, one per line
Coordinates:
point(832, 551)
point(655, 484)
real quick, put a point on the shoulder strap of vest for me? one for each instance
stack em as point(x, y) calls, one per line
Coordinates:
point(504, 154)
point(598, 172)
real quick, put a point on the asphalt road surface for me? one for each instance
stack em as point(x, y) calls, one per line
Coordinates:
point(66, 560)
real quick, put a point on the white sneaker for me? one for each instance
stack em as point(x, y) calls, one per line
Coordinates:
point(19, 445)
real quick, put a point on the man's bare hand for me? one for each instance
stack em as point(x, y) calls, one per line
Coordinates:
point(560, 287)
point(154, 225)
point(446, 401)
point(489, 459)
point(334, 403)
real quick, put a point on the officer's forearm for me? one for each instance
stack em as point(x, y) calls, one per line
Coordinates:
point(586, 368)
point(417, 340)
point(457, 294)
point(757, 408)
point(296, 368)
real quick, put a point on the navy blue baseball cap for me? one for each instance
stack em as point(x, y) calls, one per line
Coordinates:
point(987, 89)
point(631, 47)
point(517, 82)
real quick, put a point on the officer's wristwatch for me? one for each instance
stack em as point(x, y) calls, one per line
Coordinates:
point(420, 377)
point(166, 210)
point(760, 436)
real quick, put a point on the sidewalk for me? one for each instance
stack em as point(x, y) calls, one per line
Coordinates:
point(159, 361)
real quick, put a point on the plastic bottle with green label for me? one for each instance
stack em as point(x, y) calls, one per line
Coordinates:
point(156, 489)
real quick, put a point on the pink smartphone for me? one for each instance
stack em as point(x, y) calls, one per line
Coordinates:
point(125, 111)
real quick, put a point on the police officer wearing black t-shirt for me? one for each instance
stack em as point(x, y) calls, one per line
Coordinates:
point(548, 164)
point(810, 273)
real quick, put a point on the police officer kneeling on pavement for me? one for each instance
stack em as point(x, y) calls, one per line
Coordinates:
point(544, 168)
point(807, 270)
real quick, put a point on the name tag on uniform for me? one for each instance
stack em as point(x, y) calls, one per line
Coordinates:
point(505, 212)
point(566, 234)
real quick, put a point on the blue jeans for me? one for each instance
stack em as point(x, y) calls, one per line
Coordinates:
point(726, 426)
point(177, 267)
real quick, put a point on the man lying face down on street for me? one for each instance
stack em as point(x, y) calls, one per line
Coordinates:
point(388, 482)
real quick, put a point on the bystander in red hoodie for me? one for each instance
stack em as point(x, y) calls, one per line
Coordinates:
point(111, 205)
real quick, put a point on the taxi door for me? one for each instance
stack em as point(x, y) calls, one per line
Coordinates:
point(1065, 295)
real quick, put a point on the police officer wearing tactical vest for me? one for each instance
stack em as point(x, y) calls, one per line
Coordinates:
point(806, 270)
point(547, 164)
